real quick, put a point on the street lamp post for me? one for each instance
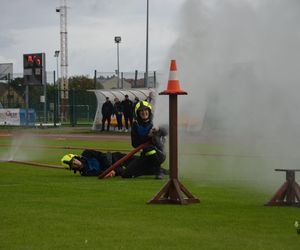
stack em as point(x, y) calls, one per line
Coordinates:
point(147, 38)
point(117, 41)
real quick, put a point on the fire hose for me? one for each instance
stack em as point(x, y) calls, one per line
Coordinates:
point(122, 160)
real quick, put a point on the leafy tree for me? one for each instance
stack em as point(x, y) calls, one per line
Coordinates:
point(81, 83)
point(18, 85)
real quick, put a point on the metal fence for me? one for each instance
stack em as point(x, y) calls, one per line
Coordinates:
point(135, 79)
point(80, 108)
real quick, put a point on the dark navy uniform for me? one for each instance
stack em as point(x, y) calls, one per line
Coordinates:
point(152, 156)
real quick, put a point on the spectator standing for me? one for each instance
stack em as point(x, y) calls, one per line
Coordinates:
point(118, 113)
point(107, 111)
point(127, 108)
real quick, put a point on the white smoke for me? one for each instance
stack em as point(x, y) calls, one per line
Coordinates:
point(24, 147)
point(239, 62)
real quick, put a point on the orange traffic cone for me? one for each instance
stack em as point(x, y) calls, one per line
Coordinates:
point(173, 83)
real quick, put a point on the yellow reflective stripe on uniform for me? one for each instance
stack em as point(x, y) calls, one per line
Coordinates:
point(151, 152)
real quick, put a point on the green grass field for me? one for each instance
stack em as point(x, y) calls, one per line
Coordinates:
point(55, 209)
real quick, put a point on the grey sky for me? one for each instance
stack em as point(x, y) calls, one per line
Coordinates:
point(32, 26)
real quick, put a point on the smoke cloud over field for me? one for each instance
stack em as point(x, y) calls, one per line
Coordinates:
point(239, 62)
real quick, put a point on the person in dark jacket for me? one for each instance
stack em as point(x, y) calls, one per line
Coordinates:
point(107, 111)
point(93, 163)
point(127, 111)
point(153, 155)
point(118, 114)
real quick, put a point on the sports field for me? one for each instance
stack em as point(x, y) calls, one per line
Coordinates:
point(44, 208)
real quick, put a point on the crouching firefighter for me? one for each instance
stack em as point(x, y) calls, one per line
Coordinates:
point(153, 155)
point(93, 163)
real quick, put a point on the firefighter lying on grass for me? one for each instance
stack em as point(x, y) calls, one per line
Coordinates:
point(93, 163)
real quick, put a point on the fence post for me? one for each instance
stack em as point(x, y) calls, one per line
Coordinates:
point(73, 108)
point(45, 101)
point(55, 102)
point(135, 78)
point(95, 79)
point(122, 80)
point(8, 91)
point(27, 103)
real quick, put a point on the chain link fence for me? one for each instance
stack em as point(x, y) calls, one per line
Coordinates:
point(79, 108)
point(136, 79)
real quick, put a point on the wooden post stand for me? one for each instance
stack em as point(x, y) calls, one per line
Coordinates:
point(173, 192)
point(289, 193)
